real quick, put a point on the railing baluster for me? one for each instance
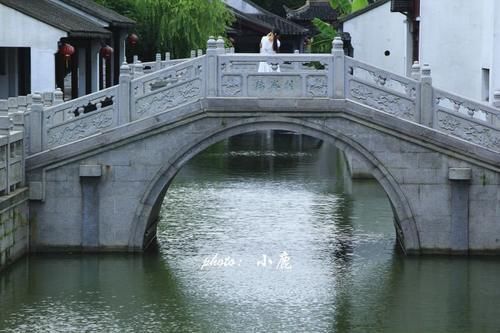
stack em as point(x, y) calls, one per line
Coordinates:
point(337, 75)
point(124, 95)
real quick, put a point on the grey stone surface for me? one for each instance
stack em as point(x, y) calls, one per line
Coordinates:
point(14, 226)
point(90, 212)
point(35, 190)
point(90, 170)
point(460, 174)
point(460, 216)
point(105, 175)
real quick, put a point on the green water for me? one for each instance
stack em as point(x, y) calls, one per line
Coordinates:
point(254, 239)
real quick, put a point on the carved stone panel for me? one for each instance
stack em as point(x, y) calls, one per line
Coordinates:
point(382, 100)
point(3, 157)
point(168, 77)
point(383, 79)
point(468, 130)
point(168, 98)
point(80, 128)
point(231, 85)
point(3, 179)
point(78, 107)
point(15, 173)
point(171, 78)
point(275, 86)
point(317, 86)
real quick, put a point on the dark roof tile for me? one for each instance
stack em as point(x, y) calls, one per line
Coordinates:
point(101, 12)
point(311, 10)
point(58, 17)
point(271, 20)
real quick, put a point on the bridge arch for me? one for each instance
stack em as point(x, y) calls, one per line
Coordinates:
point(144, 224)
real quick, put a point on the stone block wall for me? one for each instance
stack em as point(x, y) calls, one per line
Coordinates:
point(14, 226)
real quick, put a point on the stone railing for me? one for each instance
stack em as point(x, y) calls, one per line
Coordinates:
point(11, 161)
point(19, 107)
point(63, 123)
point(221, 73)
point(292, 75)
point(138, 68)
point(18, 110)
point(11, 147)
point(381, 90)
point(50, 122)
point(471, 110)
point(281, 76)
point(468, 120)
point(167, 88)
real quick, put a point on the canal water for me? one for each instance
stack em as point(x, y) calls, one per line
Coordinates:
point(259, 237)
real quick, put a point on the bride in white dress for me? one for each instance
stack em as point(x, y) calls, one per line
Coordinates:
point(269, 44)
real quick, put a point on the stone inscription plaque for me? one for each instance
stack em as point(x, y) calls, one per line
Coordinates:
point(275, 86)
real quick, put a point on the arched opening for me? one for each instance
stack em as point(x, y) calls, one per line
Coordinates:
point(235, 257)
point(144, 226)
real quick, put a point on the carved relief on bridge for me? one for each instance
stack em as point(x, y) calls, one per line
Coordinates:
point(232, 85)
point(382, 100)
point(80, 128)
point(162, 100)
point(384, 80)
point(468, 130)
point(93, 103)
point(472, 110)
point(268, 85)
point(166, 78)
point(317, 86)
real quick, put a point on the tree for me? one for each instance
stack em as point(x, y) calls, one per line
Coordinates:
point(322, 42)
point(177, 26)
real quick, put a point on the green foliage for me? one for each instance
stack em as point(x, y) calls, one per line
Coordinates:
point(123, 7)
point(343, 7)
point(177, 26)
point(192, 22)
point(358, 4)
point(322, 42)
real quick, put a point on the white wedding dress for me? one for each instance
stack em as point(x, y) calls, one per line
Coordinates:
point(267, 48)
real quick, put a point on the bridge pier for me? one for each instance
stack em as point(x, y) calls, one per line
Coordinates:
point(89, 179)
point(460, 186)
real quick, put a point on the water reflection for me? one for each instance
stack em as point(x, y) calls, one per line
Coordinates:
point(243, 199)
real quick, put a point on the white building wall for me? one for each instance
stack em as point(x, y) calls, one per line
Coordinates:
point(20, 30)
point(457, 38)
point(376, 31)
point(495, 53)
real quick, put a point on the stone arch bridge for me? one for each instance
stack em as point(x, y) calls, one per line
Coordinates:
point(99, 166)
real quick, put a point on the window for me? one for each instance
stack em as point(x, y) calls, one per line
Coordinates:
point(3, 60)
point(485, 91)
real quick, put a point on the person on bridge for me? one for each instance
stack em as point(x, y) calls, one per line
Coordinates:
point(269, 44)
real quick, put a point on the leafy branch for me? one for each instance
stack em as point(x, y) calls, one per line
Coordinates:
point(322, 42)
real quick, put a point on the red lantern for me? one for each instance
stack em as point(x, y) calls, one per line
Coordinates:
point(106, 51)
point(67, 50)
point(132, 39)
